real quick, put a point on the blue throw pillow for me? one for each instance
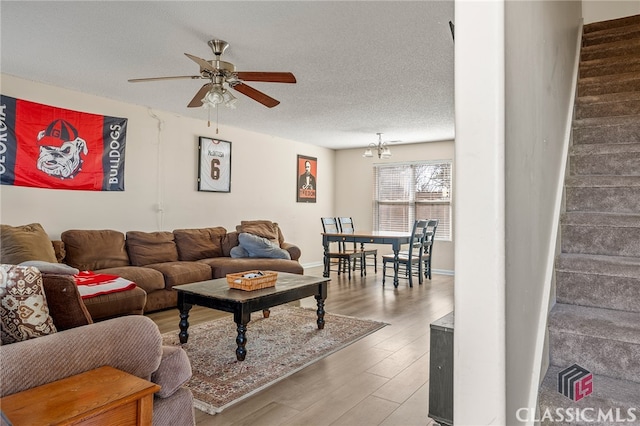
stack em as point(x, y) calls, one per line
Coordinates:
point(261, 247)
point(238, 251)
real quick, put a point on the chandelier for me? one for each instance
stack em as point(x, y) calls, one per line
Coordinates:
point(381, 147)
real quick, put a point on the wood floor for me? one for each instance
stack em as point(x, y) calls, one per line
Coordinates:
point(382, 379)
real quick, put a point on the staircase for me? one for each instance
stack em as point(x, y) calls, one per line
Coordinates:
point(596, 320)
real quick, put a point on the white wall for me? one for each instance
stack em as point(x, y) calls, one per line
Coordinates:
point(161, 169)
point(354, 189)
point(603, 10)
point(541, 45)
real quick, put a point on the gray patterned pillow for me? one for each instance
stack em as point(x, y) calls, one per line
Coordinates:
point(23, 305)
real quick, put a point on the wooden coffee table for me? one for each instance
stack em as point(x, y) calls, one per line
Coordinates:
point(216, 294)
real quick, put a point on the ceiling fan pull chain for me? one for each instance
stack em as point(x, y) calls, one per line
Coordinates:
point(217, 109)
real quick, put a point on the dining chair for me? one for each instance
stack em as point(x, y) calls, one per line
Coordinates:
point(409, 260)
point(427, 250)
point(347, 227)
point(344, 256)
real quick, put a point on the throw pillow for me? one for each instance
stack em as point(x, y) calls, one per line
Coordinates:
point(261, 247)
point(26, 242)
point(51, 268)
point(23, 305)
point(238, 252)
point(261, 228)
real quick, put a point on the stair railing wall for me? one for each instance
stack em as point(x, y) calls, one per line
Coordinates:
point(542, 349)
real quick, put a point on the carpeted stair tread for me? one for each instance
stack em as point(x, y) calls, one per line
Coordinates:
point(613, 234)
point(602, 193)
point(611, 282)
point(603, 84)
point(612, 35)
point(611, 24)
point(612, 49)
point(604, 341)
point(601, 219)
point(621, 266)
point(606, 130)
point(600, 149)
point(606, 121)
point(608, 66)
point(608, 98)
point(608, 105)
point(614, 159)
point(608, 394)
point(603, 181)
point(605, 324)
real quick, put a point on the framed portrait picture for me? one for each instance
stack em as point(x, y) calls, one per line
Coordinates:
point(214, 165)
point(306, 179)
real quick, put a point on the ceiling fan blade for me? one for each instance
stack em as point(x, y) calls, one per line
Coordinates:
point(256, 95)
point(203, 64)
point(270, 77)
point(197, 99)
point(175, 77)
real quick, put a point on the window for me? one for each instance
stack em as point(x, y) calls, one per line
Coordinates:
point(404, 192)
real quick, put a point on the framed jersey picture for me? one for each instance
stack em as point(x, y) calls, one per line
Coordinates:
point(214, 165)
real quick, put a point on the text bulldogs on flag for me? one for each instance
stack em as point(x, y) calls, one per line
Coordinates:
point(48, 147)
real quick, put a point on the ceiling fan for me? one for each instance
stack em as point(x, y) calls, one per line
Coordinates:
point(221, 76)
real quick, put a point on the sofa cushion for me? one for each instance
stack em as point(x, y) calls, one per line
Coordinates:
point(90, 250)
point(147, 279)
point(176, 273)
point(261, 247)
point(65, 304)
point(151, 247)
point(26, 242)
point(174, 371)
point(221, 266)
point(23, 305)
point(199, 243)
point(111, 305)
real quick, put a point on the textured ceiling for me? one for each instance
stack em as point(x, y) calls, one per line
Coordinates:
point(362, 66)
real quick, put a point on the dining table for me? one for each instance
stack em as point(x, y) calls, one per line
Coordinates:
point(393, 238)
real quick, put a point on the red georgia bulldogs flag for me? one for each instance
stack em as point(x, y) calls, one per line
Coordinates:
point(48, 147)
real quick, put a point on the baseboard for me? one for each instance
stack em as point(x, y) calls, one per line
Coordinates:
point(435, 271)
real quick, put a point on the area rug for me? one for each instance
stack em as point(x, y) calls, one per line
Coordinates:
point(277, 347)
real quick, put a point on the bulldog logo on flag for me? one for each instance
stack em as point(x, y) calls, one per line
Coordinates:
point(49, 147)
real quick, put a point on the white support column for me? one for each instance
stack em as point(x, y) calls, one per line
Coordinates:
point(479, 337)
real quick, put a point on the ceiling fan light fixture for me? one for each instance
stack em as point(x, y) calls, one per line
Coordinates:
point(229, 100)
point(213, 97)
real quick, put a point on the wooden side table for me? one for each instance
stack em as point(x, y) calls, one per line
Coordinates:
point(104, 396)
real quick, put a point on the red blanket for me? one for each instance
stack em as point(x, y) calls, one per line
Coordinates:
point(91, 284)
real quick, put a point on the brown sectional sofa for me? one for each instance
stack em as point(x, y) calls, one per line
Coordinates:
point(157, 261)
